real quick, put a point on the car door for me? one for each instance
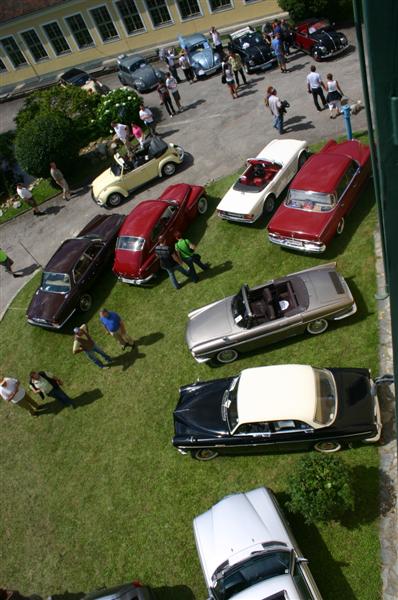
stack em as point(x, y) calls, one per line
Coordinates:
point(346, 195)
point(250, 438)
point(145, 172)
point(97, 252)
point(283, 177)
point(81, 273)
point(288, 435)
point(302, 38)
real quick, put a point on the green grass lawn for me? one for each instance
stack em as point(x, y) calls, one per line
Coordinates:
point(97, 496)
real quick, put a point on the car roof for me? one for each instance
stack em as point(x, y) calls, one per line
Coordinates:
point(142, 218)
point(131, 59)
point(193, 39)
point(277, 393)
point(237, 34)
point(67, 255)
point(321, 172)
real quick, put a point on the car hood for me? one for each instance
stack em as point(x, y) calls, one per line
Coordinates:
point(103, 181)
point(296, 223)
point(259, 54)
point(127, 263)
point(330, 39)
point(199, 409)
point(325, 287)
point(47, 306)
point(205, 58)
point(147, 74)
point(209, 322)
point(240, 202)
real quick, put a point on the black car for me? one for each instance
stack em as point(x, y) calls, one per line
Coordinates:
point(318, 38)
point(253, 50)
point(282, 408)
point(74, 77)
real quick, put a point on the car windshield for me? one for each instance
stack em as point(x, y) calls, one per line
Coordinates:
point(240, 309)
point(137, 65)
point(311, 201)
point(229, 405)
point(58, 283)
point(260, 566)
point(126, 242)
point(326, 397)
point(320, 26)
point(249, 39)
point(199, 47)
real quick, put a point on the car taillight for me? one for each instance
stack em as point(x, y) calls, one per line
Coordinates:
point(137, 583)
point(249, 217)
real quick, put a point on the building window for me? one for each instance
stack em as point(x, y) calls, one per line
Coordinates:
point(34, 44)
point(219, 4)
point(189, 8)
point(2, 66)
point(130, 16)
point(159, 12)
point(79, 31)
point(104, 23)
point(13, 52)
point(56, 38)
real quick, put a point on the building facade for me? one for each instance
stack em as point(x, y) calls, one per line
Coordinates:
point(39, 38)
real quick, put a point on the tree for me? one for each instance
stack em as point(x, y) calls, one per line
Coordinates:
point(333, 9)
point(46, 138)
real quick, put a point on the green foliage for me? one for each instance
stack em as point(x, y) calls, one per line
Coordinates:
point(46, 138)
point(7, 160)
point(121, 105)
point(332, 9)
point(320, 488)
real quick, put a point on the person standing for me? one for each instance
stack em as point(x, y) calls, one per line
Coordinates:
point(236, 64)
point(185, 249)
point(275, 106)
point(60, 180)
point(83, 342)
point(46, 384)
point(138, 134)
point(165, 98)
point(171, 62)
point(171, 84)
point(12, 391)
point(169, 261)
point(314, 86)
point(185, 65)
point(217, 43)
point(286, 36)
point(277, 47)
point(115, 327)
point(334, 96)
point(122, 133)
point(228, 78)
point(147, 118)
point(26, 196)
point(6, 262)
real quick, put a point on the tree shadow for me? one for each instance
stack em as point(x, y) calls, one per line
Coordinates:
point(151, 338)
point(365, 482)
point(28, 270)
point(127, 359)
point(177, 592)
point(54, 210)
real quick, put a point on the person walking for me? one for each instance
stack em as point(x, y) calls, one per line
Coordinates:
point(171, 61)
point(185, 65)
point(6, 262)
point(12, 391)
point(314, 86)
point(138, 134)
point(334, 96)
point(83, 342)
point(275, 106)
point(228, 78)
point(26, 196)
point(217, 43)
point(185, 249)
point(166, 99)
point(60, 180)
point(122, 133)
point(114, 326)
point(45, 383)
point(170, 261)
point(171, 84)
point(147, 118)
point(236, 64)
point(277, 47)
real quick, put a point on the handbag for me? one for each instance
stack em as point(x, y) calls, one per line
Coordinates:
point(223, 78)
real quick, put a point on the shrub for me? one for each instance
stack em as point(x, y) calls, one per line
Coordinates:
point(46, 138)
point(320, 488)
point(122, 105)
point(332, 9)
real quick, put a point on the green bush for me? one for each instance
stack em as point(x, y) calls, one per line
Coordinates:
point(46, 138)
point(320, 488)
point(121, 105)
point(338, 10)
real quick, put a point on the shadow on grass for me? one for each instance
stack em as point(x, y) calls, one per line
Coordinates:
point(54, 407)
point(127, 359)
point(365, 482)
point(197, 229)
point(215, 270)
point(177, 592)
point(151, 338)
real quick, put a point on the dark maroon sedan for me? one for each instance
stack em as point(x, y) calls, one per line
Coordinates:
point(72, 270)
point(135, 259)
point(320, 196)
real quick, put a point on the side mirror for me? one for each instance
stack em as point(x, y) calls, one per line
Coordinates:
point(301, 559)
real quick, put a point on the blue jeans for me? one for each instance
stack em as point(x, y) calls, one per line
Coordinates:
point(172, 276)
point(194, 260)
point(97, 350)
point(60, 395)
point(278, 123)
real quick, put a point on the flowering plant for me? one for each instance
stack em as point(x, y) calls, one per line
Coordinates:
point(121, 105)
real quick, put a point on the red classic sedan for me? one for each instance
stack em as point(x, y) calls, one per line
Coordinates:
point(320, 196)
point(135, 259)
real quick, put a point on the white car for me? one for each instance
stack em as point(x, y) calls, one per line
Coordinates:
point(255, 192)
point(248, 552)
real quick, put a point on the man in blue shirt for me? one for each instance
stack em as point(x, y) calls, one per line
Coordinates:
point(277, 47)
point(115, 327)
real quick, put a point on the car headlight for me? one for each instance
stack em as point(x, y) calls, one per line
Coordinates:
point(217, 58)
point(322, 48)
point(158, 74)
point(251, 61)
point(139, 83)
point(343, 39)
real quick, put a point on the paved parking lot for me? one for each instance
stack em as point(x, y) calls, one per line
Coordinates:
point(218, 134)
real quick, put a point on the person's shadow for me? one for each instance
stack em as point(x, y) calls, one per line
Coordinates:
point(213, 271)
point(128, 358)
point(55, 406)
point(27, 270)
point(151, 338)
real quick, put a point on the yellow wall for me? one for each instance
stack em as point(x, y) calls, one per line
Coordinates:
point(241, 13)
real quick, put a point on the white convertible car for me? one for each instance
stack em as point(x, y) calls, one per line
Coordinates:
point(254, 194)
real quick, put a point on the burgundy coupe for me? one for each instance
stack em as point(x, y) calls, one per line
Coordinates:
point(320, 196)
point(135, 259)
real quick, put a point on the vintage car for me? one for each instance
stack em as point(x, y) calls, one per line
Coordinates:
point(252, 49)
point(135, 259)
point(133, 70)
point(156, 159)
point(279, 408)
point(127, 591)
point(75, 77)
point(318, 38)
point(203, 59)
point(255, 192)
point(247, 551)
point(270, 312)
point(69, 274)
point(320, 196)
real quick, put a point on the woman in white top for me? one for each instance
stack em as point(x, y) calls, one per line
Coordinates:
point(229, 79)
point(12, 391)
point(334, 96)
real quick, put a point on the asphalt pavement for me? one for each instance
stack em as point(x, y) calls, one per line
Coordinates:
point(218, 134)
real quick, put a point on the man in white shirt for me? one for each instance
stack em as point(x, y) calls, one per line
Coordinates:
point(275, 106)
point(122, 133)
point(314, 86)
point(26, 196)
point(215, 36)
point(171, 85)
point(12, 391)
point(171, 61)
point(146, 117)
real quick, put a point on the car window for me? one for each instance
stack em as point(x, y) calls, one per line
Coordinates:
point(299, 580)
point(81, 266)
point(253, 429)
point(168, 214)
point(58, 283)
point(326, 397)
point(346, 179)
point(310, 201)
point(94, 250)
point(129, 242)
point(137, 65)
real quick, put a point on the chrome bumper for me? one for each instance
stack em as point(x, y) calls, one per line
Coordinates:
point(297, 244)
point(136, 281)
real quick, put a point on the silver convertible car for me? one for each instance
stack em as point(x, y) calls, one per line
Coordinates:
point(277, 309)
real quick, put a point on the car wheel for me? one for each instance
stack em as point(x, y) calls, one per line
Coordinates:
point(114, 200)
point(327, 447)
point(85, 302)
point(202, 205)
point(269, 204)
point(227, 356)
point(302, 158)
point(340, 226)
point(204, 454)
point(168, 169)
point(317, 326)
